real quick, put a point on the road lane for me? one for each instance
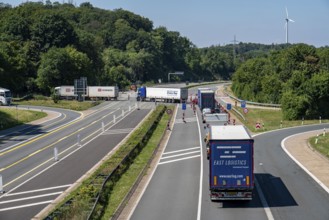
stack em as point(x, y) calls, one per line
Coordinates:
point(174, 187)
point(68, 170)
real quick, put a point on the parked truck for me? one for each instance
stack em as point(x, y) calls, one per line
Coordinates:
point(92, 92)
point(5, 96)
point(207, 99)
point(162, 94)
point(231, 164)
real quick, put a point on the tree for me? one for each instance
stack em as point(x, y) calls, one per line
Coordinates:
point(53, 30)
point(60, 66)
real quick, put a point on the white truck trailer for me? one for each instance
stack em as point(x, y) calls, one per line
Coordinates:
point(162, 94)
point(103, 92)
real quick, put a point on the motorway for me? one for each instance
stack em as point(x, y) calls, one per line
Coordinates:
point(33, 178)
point(178, 188)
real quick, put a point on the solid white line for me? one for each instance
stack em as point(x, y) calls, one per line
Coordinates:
point(185, 158)
point(24, 206)
point(31, 197)
point(301, 165)
point(38, 190)
point(176, 151)
point(201, 172)
point(178, 155)
point(264, 202)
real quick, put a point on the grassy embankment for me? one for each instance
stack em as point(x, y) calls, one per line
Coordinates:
point(10, 117)
point(322, 145)
point(270, 119)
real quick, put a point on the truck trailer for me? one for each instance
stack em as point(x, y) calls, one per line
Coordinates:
point(92, 92)
point(231, 164)
point(5, 96)
point(207, 99)
point(103, 92)
point(162, 94)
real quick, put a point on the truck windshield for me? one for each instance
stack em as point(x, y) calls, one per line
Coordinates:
point(7, 94)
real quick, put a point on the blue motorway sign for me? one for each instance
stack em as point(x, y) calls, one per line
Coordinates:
point(183, 106)
point(243, 104)
point(228, 106)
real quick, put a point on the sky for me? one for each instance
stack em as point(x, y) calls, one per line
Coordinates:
point(215, 22)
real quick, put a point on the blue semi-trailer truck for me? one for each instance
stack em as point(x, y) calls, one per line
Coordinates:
point(231, 163)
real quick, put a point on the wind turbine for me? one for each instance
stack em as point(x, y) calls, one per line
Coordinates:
point(286, 25)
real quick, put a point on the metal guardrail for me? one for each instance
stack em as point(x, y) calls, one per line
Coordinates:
point(252, 103)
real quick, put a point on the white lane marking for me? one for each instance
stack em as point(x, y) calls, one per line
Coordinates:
point(118, 131)
point(201, 171)
point(301, 165)
point(264, 202)
point(178, 155)
point(24, 206)
point(38, 190)
point(31, 197)
point(152, 172)
point(185, 158)
point(50, 166)
point(176, 151)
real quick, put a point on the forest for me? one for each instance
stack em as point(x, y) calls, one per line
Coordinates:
point(44, 45)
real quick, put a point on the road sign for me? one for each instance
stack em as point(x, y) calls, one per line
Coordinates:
point(228, 106)
point(245, 110)
point(243, 104)
point(258, 125)
point(183, 106)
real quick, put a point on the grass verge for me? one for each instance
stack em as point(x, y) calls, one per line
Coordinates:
point(10, 117)
point(322, 145)
point(270, 119)
point(66, 104)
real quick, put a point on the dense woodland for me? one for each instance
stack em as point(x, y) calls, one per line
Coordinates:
point(43, 45)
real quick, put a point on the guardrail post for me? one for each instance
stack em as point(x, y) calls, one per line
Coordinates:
point(320, 119)
point(1, 186)
point(56, 154)
point(281, 124)
point(324, 132)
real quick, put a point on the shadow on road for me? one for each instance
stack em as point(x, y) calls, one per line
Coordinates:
point(274, 190)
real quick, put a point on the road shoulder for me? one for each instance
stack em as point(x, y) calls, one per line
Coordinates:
point(310, 160)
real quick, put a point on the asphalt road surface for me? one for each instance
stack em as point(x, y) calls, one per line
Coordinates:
point(179, 186)
point(32, 178)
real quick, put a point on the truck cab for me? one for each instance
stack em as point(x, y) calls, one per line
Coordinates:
point(5, 96)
